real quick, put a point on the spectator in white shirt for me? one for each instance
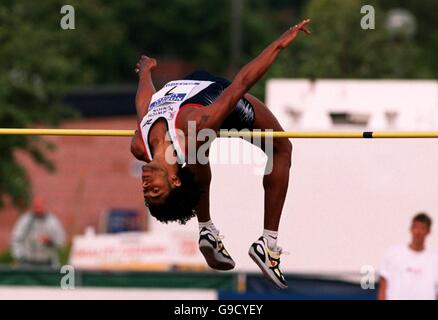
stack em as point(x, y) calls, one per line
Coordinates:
point(410, 272)
point(37, 236)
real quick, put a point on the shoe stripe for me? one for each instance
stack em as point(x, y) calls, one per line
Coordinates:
point(260, 249)
point(210, 238)
point(276, 270)
point(220, 254)
point(224, 253)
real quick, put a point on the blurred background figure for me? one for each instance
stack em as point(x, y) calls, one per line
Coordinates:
point(410, 272)
point(37, 236)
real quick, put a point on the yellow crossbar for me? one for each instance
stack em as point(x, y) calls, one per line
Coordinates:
point(255, 133)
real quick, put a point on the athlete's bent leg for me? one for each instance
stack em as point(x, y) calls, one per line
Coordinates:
point(276, 182)
point(264, 251)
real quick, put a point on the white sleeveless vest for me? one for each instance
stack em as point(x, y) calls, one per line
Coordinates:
point(165, 104)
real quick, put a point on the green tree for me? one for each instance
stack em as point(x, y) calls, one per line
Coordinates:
point(426, 35)
point(195, 31)
point(190, 30)
point(39, 62)
point(340, 48)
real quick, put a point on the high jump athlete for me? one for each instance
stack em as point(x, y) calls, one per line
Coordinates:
point(177, 190)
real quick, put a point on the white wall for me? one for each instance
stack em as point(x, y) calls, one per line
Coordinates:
point(416, 102)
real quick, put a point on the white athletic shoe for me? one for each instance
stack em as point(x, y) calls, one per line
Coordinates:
point(268, 261)
point(214, 251)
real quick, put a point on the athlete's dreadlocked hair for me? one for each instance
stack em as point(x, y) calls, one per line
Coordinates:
point(181, 202)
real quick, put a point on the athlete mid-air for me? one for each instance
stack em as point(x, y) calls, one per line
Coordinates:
point(176, 189)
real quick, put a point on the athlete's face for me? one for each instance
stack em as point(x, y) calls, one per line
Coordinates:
point(419, 231)
point(156, 185)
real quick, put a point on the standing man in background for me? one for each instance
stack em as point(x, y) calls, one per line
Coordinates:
point(37, 236)
point(410, 272)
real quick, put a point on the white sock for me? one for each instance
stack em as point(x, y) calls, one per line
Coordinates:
point(209, 224)
point(271, 237)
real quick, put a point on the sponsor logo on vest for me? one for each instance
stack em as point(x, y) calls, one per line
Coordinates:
point(174, 97)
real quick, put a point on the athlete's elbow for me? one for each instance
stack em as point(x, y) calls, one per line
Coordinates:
point(135, 148)
point(134, 151)
point(140, 107)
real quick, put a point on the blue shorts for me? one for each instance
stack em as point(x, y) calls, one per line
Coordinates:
point(242, 117)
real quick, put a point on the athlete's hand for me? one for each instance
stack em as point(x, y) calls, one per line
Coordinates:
point(145, 65)
point(292, 33)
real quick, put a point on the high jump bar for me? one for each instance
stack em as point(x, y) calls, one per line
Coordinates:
point(243, 133)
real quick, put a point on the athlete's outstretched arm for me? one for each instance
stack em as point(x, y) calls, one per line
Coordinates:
point(143, 97)
point(214, 116)
point(146, 87)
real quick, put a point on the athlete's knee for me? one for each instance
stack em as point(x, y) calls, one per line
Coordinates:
point(282, 146)
point(282, 149)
